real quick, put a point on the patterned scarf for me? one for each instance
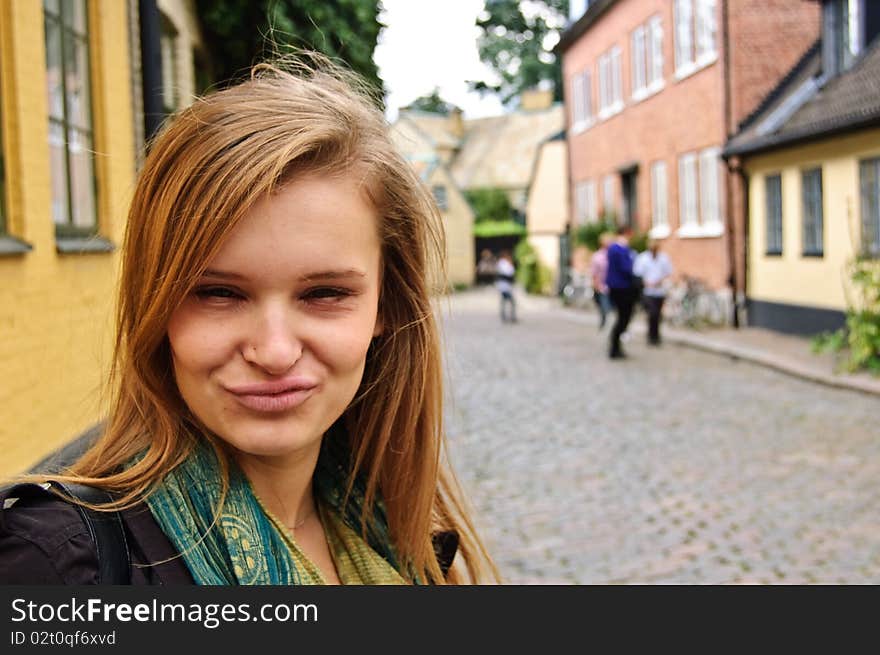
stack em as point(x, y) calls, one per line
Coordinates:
point(248, 546)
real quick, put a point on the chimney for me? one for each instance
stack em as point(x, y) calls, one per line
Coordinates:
point(456, 122)
point(535, 99)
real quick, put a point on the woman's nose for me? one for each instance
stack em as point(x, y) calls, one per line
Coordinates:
point(273, 345)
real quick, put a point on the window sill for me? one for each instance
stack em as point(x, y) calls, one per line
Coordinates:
point(647, 91)
point(659, 232)
point(83, 245)
point(11, 246)
point(685, 71)
point(582, 126)
point(700, 231)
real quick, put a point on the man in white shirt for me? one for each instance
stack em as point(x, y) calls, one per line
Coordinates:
point(655, 270)
point(504, 276)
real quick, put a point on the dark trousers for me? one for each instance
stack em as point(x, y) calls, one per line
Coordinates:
point(623, 300)
point(654, 308)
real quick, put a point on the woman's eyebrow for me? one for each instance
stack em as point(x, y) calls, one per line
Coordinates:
point(334, 275)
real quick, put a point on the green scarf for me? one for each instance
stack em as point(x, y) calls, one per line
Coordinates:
point(248, 546)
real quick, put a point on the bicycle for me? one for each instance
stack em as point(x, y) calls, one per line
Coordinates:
point(577, 292)
point(694, 305)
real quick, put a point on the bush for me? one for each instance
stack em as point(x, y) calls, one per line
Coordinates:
point(588, 234)
point(534, 276)
point(489, 205)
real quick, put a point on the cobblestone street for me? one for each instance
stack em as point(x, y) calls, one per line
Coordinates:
point(674, 466)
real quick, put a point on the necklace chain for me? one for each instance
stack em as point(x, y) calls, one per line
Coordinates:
point(300, 523)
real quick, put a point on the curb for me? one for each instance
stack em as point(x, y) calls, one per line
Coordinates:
point(760, 357)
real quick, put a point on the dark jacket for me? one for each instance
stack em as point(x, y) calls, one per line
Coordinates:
point(43, 540)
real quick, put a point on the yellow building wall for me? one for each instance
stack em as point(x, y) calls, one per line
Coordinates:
point(56, 310)
point(793, 278)
point(458, 219)
point(547, 206)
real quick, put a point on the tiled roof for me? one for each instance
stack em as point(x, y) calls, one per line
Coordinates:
point(805, 106)
point(500, 151)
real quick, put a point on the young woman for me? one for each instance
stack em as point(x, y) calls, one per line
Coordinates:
point(278, 401)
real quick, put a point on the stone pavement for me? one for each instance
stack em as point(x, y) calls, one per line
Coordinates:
point(675, 466)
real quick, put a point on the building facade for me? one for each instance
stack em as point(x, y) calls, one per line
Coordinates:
point(811, 156)
point(653, 90)
point(68, 158)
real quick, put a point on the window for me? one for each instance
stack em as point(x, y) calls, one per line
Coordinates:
point(710, 207)
point(608, 201)
point(773, 198)
point(699, 198)
point(659, 202)
point(647, 58)
point(869, 174)
point(582, 101)
point(687, 191)
point(440, 198)
point(841, 40)
point(585, 202)
point(168, 54)
point(694, 35)
point(610, 86)
point(71, 138)
point(811, 190)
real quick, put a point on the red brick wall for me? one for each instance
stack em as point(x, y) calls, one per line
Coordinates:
point(687, 115)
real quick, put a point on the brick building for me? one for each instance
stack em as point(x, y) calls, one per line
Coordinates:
point(653, 90)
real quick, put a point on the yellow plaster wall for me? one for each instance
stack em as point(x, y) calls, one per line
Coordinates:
point(458, 220)
point(56, 310)
point(793, 278)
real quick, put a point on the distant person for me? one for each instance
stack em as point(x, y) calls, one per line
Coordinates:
point(620, 287)
point(598, 271)
point(486, 267)
point(655, 270)
point(504, 276)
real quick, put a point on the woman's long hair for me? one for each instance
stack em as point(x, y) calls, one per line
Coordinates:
point(203, 172)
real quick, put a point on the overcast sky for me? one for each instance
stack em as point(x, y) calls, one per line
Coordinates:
point(432, 43)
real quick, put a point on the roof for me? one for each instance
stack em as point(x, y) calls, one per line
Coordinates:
point(805, 106)
point(499, 151)
point(436, 127)
point(582, 24)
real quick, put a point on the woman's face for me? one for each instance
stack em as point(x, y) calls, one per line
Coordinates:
point(270, 345)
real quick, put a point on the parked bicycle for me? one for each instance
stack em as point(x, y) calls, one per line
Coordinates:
point(693, 304)
point(577, 292)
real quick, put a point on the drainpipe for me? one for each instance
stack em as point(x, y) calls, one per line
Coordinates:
point(729, 129)
point(151, 68)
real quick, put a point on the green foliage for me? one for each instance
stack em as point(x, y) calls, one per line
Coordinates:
point(239, 33)
point(639, 241)
point(432, 103)
point(861, 336)
point(534, 276)
point(498, 229)
point(489, 205)
point(512, 43)
point(588, 234)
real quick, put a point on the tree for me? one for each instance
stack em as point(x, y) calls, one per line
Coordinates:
point(516, 39)
point(432, 103)
point(238, 33)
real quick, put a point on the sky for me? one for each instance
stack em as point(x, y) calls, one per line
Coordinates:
point(428, 44)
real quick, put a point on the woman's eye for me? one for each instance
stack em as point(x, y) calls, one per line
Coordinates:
point(327, 293)
point(220, 293)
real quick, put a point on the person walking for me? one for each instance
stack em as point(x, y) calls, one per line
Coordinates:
point(598, 271)
point(620, 288)
point(504, 276)
point(655, 270)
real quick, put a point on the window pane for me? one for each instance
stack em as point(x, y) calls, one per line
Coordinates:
point(687, 186)
point(74, 12)
point(54, 89)
point(812, 211)
point(77, 83)
point(81, 181)
point(705, 28)
point(709, 186)
point(655, 66)
point(684, 52)
point(773, 185)
point(58, 169)
point(51, 7)
point(870, 183)
point(577, 98)
point(638, 60)
point(588, 96)
point(658, 194)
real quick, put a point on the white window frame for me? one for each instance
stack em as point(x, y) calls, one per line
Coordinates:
point(655, 54)
point(582, 101)
point(659, 201)
point(699, 199)
point(610, 84)
point(639, 62)
point(609, 201)
point(585, 202)
point(695, 35)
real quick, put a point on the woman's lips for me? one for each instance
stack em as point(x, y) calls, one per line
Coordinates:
point(274, 396)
